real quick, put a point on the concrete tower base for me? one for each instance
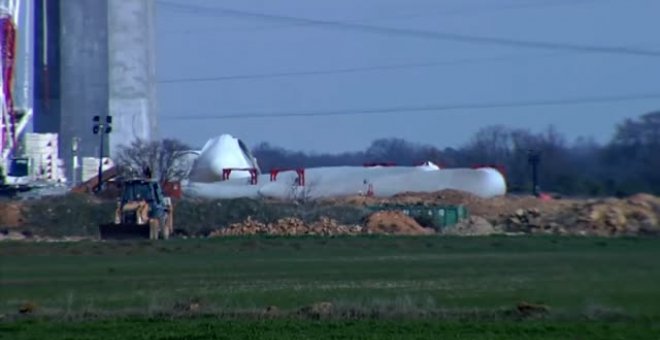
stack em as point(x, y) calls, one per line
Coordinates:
point(95, 57)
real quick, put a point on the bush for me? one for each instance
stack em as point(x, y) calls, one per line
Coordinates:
point(80, 215)
point(70, 215)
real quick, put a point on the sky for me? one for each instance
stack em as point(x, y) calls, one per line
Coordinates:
point(333, 75)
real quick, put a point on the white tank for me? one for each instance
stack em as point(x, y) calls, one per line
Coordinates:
point(349, 181)
point(228, 152)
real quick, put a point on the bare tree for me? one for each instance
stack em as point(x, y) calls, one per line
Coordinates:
point(632, 156)
point(491, 144)
point(641, 133)
point(162, 157)
point(301, 193)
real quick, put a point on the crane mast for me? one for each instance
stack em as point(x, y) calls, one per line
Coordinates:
point(14, 119)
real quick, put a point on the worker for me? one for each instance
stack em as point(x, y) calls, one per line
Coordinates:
point(147, 172)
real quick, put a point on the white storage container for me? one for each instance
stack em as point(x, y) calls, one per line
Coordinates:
point(90, 167)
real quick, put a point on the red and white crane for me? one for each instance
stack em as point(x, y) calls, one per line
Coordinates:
point(13, 119)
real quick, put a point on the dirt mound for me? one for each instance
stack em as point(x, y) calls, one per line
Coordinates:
point(492, 209)
point(394, 223)
point(639, 214)
point(451, 197)
point(618, 217)
point(473, 226)
point(11, 215)
point(646, 201)
point(635, 215)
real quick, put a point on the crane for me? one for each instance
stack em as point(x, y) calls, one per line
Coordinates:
point(13, 119)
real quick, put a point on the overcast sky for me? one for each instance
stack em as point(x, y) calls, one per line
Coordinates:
point(268, 64)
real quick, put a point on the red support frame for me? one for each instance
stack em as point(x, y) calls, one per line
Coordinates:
point(299, 171)
point(226, 173)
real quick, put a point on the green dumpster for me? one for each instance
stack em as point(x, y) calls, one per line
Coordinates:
point(435, 216)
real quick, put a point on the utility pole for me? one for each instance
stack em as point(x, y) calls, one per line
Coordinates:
point(534, 158)
point(101, 128)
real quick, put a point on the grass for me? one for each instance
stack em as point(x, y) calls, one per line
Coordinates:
point(208, 328)
point(433, 285)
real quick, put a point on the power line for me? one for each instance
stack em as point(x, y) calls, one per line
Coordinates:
point(427, 35)
point(488, 9)
point(349, 70)
point(424, 108)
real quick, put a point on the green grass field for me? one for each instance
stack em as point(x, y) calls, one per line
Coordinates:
point(392, 287)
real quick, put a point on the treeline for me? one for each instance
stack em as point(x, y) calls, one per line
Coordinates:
point(629, 163)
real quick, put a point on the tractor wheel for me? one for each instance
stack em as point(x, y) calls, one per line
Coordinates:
point(170, 221)
point(165, 230)
point(154, 227)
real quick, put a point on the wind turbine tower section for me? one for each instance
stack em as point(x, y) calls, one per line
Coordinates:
point(131, 71)
point(95, 58)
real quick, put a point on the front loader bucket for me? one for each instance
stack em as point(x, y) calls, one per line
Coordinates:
point(113, 231)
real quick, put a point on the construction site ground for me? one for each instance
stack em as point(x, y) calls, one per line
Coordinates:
point(368, 286)
point(76, 216)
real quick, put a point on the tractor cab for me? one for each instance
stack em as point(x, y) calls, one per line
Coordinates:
point(145, 190)
point(142, 190)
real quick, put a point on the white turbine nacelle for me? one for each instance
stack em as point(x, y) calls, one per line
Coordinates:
point(428, 166)
point(219, 153)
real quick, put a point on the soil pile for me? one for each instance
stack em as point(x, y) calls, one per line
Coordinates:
point(11, 215)
point(492, 209)
point(635, 215)
point(449, 197)
point(394, 223)
point(639, 214)
point(473, 226)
